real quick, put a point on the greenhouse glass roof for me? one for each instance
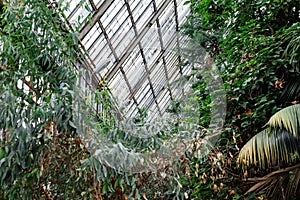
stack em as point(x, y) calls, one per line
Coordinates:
point(132, 44)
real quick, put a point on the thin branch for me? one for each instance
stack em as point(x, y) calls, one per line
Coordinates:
point(30, 86)
point(45, 192)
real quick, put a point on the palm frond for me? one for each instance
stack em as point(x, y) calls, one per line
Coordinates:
point(287, 119)
point(269, 149)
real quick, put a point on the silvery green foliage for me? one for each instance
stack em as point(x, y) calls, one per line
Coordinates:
point(36, 82)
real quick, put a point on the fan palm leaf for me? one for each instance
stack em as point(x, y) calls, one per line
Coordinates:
point(287, 119)
point(278, 144)
point(268, 149)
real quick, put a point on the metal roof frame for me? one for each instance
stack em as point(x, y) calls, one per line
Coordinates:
point(131, 45)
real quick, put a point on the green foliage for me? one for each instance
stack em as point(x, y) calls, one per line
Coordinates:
point(255, 45)
point(248, 40)
point(204, 99)
point(250, 54)
point(256, 48)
